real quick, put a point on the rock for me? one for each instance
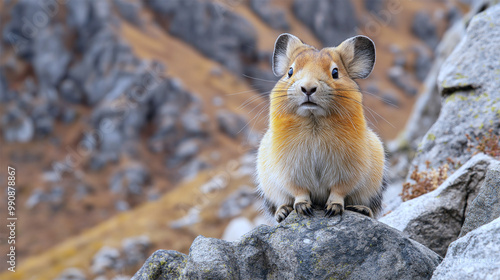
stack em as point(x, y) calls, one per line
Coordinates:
point(230, 123)
point(423, 63)
point(129, 10)
point(474, 256)
point(425, 111)
point(424, 28)
point(186, 150)
point(17, 126)
point(192, 168)
point(401, 79)
point(400, 60)
point(373, 6)
point(135, 249)
point(3, 86)
point(273, 16)
point(391, 98)
point(122, 206)
point(72, 273)
point(350, 246)
point(104, 259)
point(236, 202)
point(469, 86)
point(36, 197)
point(236, 228)
point(331, 22)
point(192, 217)
point(51, 58)
point(210, 27)
point(70, 91)
point(131, 180)
point(168, 263)
point(486, 206)
point(435, 219)
point(216, 183)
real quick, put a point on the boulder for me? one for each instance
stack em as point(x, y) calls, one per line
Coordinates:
point(230, 123)
point(424, 28)
point(275, 17)
point(351, 246)
point(474, 256)
point(331, 21)
point(468, 82)
point(486, 206)
point(435, 219)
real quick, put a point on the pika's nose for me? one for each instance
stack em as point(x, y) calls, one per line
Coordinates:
point(308, 90)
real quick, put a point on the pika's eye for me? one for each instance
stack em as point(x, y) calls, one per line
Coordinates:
point(290, 72)
point(335, 73)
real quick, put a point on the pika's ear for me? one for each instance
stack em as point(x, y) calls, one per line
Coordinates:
point(358, 54)
point(283, 49)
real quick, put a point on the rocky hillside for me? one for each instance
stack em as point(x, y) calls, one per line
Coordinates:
point(132, 124)
point(451, 232)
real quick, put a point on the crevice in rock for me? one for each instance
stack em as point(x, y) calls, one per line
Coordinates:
point(445, 92)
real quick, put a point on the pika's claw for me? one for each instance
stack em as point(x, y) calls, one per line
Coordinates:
point(303, 208)
point(365, 210)
point(282, 212)
point(334, 209)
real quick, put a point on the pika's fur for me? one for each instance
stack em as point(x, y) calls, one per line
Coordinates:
point(318, 151)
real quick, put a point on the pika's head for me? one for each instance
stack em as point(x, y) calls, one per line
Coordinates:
point(319, 82)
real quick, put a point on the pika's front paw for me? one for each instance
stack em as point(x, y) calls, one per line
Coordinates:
point(365, 210)
point(333, 209)
point(282, 212)
point(303, 208)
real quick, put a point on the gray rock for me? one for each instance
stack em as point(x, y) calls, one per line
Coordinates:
point(425, 111)
point(236, 202)
point(72, 273)
point(211, 28)
point(400, 78)
point(350, 246)
point(469, 83)
point(135, 249)
point(162, 264)
point(192, 168)
point(186, 150)
point(17, 126)
point(129, 10)
point(130, 180)
point(70, 91)
point(424, 28)
point(373, 6)
point(36, 197)
point(273, 16)
point(423, 63)
point(391, 98)
point(331, 21)
point(230, 123)
point(435, 219)
point(3, 86)
point(106, 258)
point(51, 58)
point(486, 206)
point(474, 256)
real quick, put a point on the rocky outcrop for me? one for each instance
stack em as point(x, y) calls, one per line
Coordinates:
point(331, 22)
point(486, 206)
point(435, 219)
point(474, 256)
point(468, 82)
point(350, 246)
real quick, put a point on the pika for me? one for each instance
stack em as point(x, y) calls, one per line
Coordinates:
point(318, 151)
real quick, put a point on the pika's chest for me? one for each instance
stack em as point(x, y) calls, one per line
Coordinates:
point(312, 162)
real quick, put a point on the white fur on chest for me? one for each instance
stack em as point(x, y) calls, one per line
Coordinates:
point(313, 164)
